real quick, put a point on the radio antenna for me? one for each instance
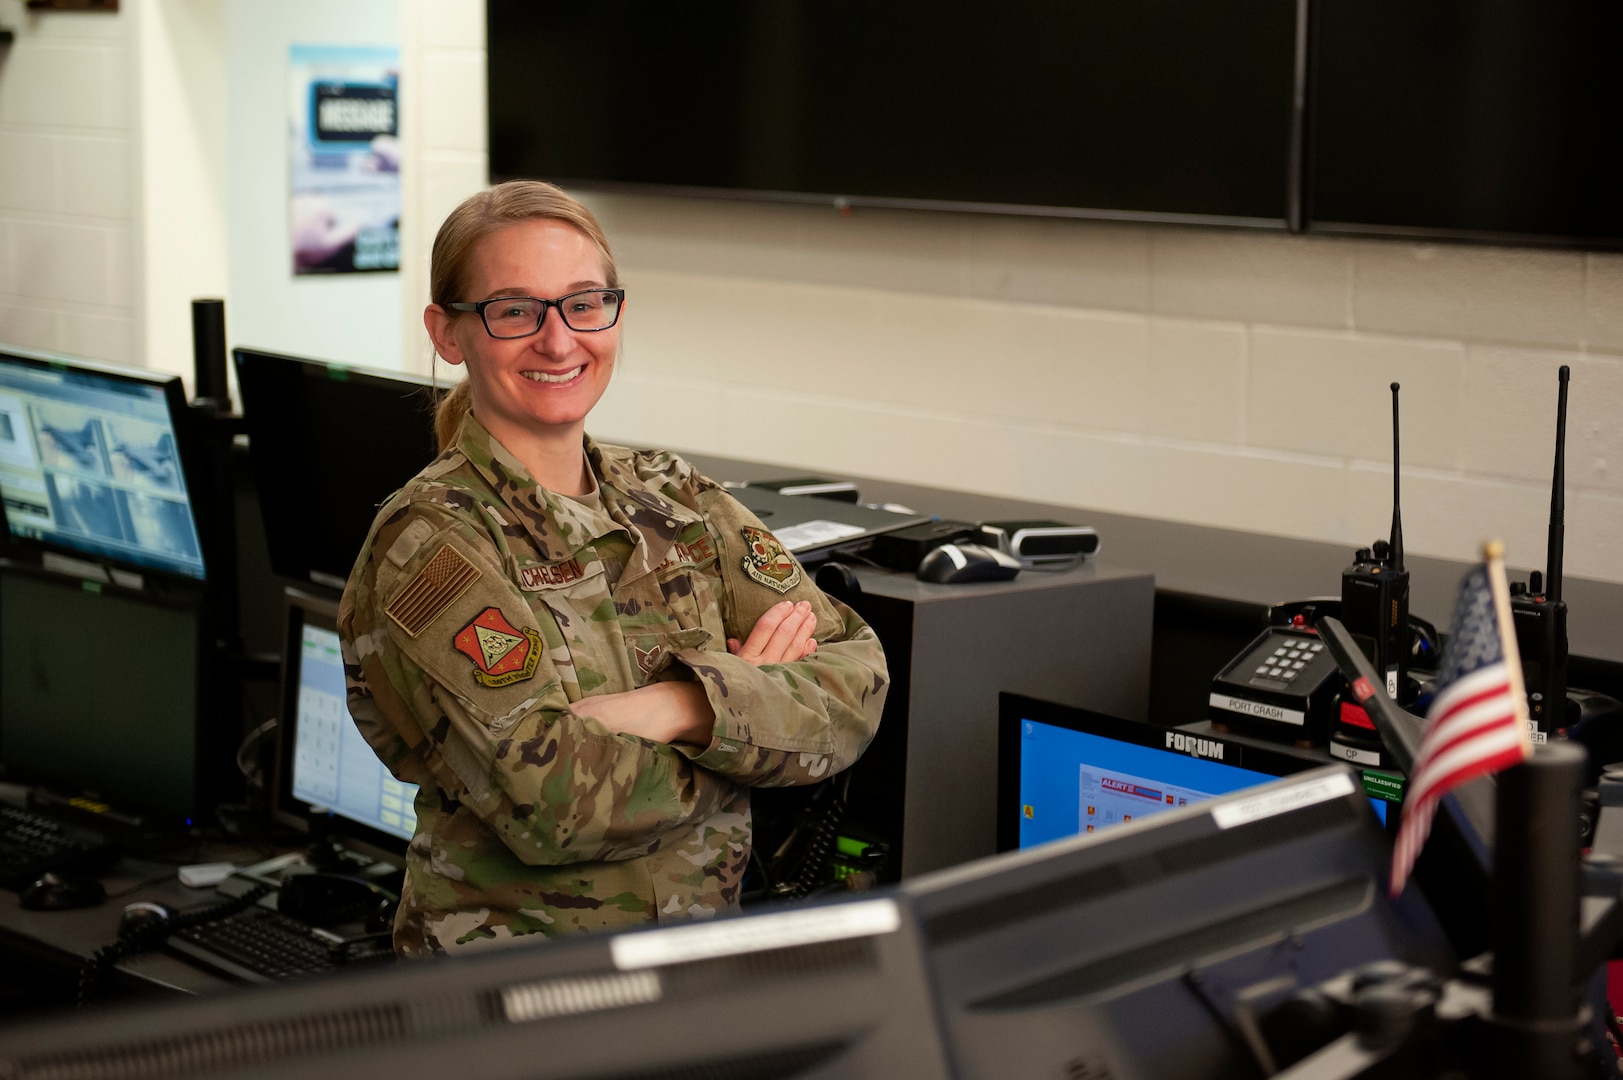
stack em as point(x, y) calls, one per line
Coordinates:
point(1396, 542)
point(1558, 497)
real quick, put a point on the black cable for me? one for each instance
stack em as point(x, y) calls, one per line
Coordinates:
point(249, 741)
point(159, 880)
point(824, 835)
point(150, 934)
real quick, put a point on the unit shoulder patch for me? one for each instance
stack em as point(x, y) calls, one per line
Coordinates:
point(502, 654)
point(436, 587)
point(766, 562)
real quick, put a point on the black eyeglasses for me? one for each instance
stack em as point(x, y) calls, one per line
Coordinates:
point(520, 316)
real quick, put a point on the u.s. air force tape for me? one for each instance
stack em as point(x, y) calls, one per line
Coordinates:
point(437, 585)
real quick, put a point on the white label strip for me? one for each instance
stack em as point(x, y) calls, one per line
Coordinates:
point(1258, 710)
point(1228, 815)
point(807, 533)
point(754, 933)
point(1352, 753)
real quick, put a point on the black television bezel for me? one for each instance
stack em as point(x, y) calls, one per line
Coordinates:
point(301, 607)
point(1292, 107)
point(1313, 138)
point(1015, 708)
point(272, 472)
point(188, 449)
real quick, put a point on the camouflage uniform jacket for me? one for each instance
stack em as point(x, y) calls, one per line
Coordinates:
point(482, 605)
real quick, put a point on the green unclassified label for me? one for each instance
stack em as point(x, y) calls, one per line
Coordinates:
point(1379, 785)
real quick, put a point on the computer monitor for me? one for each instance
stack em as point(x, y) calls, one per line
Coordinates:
point(1157, 947)
point(1064, 770)
point(94, 463)
point(816, 993)
point(327, 444)
point(327, 777)
point(100, 692)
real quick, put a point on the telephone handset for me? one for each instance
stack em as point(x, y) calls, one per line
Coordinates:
point(1425, 645)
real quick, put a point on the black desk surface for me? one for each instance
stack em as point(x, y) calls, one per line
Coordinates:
point(63, 940)
point(1223, 563)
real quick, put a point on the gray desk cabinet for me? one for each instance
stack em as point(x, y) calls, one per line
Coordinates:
point(1079, 636)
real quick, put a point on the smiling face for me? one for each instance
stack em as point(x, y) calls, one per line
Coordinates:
point(533, 391)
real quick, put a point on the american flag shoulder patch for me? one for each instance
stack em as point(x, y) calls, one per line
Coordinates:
point(436, 587)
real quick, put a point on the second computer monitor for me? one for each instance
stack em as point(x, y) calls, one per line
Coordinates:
point(1064, 770)
point(327, 444)
point(327, 775)
point(101, 696)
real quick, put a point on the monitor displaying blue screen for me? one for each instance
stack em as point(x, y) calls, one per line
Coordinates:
point(88, 462)
point(333, 767)
point(1074, 782)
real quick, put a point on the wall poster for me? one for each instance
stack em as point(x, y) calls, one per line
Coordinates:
point(344, 127)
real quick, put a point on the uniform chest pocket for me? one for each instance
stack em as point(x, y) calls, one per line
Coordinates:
point(573, 606)
point(650, 651)
point(691, 598)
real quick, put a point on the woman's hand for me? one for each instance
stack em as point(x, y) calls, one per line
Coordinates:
point(670, 712)
point(664, 712)
point(782, 635)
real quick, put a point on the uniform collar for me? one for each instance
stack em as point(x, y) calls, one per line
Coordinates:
point(561, 527)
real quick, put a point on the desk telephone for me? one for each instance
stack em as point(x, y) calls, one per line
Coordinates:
point(1312, 704)
point(1285, 686)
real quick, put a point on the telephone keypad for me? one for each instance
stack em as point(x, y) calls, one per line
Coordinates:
point(1287, 662)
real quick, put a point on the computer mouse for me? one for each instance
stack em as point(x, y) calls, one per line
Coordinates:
point(59, 892)
point(950, 564)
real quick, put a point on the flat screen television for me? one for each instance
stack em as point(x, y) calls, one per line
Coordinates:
point(96, 462)
point(1466, 119)
point(1150, 110)
point(327, 445)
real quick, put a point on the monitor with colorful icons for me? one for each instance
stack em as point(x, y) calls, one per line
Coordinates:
point(1064, 770)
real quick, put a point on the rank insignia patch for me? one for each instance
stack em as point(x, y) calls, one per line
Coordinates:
point(437, 585)
point(767, 562)
point(501, 652)
point(648, 658)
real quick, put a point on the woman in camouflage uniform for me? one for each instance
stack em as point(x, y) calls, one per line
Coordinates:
point(583, 655)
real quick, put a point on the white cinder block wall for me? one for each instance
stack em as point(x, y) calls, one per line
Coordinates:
point(1224, 378)
point(69, 273)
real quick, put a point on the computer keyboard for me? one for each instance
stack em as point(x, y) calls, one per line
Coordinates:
point(258, 946)
point(33, 843)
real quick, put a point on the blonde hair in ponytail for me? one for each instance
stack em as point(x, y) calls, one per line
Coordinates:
point(465, 228)
point(449, 412)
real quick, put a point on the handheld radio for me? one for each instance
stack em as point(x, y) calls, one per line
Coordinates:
point(1537, 610)
point(1375, 593)
point(1375, 611)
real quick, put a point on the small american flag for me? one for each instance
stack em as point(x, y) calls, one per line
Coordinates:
point(1477, 723)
